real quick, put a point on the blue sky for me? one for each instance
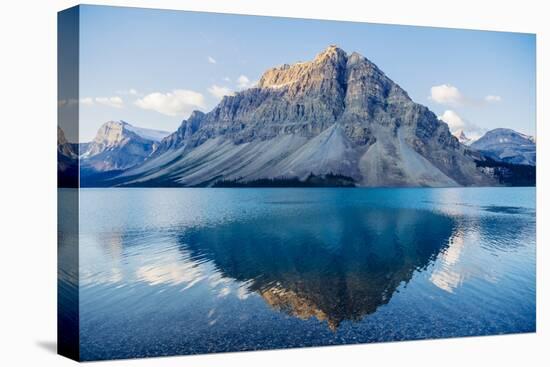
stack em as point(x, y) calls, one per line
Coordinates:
point(153, 67)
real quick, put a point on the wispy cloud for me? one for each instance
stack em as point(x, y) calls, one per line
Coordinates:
point(115, 102)
point(212, 60)
point(449, 95)
point(219, 91)
point(492, 98)
point(179, 102)
point(454, 121)
point(131, 91)
point(244, 82)
point(87, 101)
point(457, 123)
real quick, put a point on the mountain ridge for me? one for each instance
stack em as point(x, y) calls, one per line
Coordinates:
point(117, 145)
point(338, 114)
point(508, 146)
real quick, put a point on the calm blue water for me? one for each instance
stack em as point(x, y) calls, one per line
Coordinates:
point(183, 271)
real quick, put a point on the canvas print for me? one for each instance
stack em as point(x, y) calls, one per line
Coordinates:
point(237, 183)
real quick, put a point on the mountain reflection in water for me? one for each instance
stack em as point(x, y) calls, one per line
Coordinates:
point(344, 272)
point(187, 271)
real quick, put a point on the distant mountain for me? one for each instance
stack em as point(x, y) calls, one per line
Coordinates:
point(118, 146)
point(149, 134)
point(507, 145)
point(65, 148)
point(67, 161)
point(461, 136)
point(337, 116)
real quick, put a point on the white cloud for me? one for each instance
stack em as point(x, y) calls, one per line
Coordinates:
point(218, 91)
point(492, 98)
point(447, 94)
point(179, 102)
point(88, 101)
point(211, 60)
point(457, 123)
point(452, 119)
point(450, 95)
point(243, 82)
point(130, 91)
point(227, 79)
point(115, 102)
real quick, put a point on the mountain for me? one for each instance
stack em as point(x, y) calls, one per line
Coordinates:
point(64, 148)
point(462, 138)
point(118, 146)
point(354, 281)
point(67, 161)
point(338, 115)
point(149, 134)
point(507, 145)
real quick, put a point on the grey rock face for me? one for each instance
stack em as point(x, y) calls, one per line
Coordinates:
point(182, 134)
point(337, 114)
point(507, 145)
point(116, 146)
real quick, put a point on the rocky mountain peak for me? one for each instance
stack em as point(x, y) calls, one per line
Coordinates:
point(461, 136)
point(338, 114)
point(110, 133)
point(503, 136)
point(115, 132)
point(113, 135)
point(61, 139)
point(333, 54)
point(328, 64)
point(118, 145)
point(63, 146)
point(508, 146)
point(196, 114)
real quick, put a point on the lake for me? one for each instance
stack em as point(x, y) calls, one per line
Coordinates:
point(167, 271)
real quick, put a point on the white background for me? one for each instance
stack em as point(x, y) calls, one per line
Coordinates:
point(28, 177)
